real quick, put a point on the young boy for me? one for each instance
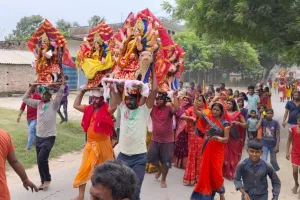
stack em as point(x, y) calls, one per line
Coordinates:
point(251, 175)
point(270, 137)
point(252, 125)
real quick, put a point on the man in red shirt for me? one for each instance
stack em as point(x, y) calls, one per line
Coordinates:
point(161, 148)
point(31, 119)
point(7, 153)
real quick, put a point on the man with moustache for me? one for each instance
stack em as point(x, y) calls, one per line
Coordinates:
point(135, 112)
point(97, 123)
point(46, 127)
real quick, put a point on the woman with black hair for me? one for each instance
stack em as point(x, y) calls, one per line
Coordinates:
point(216, 130)
point(244, 96)
point(195, 143)
point(234, 147)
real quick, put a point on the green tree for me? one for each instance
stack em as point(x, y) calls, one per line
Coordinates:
point(203, 55)
point(198, 52)
point(273, 24)
point(25, 28)
point(63, 26)
point(94, 20)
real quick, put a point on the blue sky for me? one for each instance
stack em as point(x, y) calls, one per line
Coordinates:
point(72, 10)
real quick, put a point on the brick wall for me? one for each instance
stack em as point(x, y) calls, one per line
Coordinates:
point(15, 78)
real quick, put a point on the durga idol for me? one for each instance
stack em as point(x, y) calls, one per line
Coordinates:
point(47, 67)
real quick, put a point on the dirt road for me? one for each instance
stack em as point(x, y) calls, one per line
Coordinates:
point(65, 168)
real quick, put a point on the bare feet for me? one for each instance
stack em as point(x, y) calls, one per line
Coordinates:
point(41, 187)
point(79, 198)
point(295, 188)
point(163, 184)
point(222, 197)
point(46, 184)
point(157, 175)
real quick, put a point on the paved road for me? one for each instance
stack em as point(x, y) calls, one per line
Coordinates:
point(61, 188)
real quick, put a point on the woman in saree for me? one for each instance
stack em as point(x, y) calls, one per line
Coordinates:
point(181, 141)
point(195, 143)
point(242, 109)
point(221, 99)
point(235, 145)
point(265, 99)
point(217, 133)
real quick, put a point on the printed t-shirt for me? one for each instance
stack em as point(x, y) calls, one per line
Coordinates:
point(133, 129)
point(269, 128)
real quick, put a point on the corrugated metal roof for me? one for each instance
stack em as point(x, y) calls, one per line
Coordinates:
point(16, 57)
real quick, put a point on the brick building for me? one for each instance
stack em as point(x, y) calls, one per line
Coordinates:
point(15, 71)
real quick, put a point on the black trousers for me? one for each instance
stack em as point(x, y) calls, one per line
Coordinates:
point(65, 110)
point(43, 147)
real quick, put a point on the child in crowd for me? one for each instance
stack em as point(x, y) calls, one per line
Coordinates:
point(294, 139)
point(230, 93)
point(270, 137)
point(261, 111)
point(288, 91)
point(236, 95)
point(252, 125)
point(275, 86)
point(251, 175)
point(242, 108)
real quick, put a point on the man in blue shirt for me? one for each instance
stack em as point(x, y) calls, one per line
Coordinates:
point(251, 175)
point(292, 109)
point(253, 99)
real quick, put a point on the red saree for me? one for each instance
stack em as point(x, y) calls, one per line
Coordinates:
point(195, 144)
point(234, 148)
point(181, 141)
point(211, 175)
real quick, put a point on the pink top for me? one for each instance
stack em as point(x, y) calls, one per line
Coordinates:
point(162, 120)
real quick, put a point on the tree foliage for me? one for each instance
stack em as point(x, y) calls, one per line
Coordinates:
point(198, 52)
point(202, 54)
point(25, 28)
point(94, 20)
point(63, 26)
point(273, 24)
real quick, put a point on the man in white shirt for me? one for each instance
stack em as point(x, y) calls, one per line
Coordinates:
point(135, 112)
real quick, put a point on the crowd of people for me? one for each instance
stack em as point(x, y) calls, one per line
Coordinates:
point(200, 130)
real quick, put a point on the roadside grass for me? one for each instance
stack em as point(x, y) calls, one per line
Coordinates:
point(70, 137)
